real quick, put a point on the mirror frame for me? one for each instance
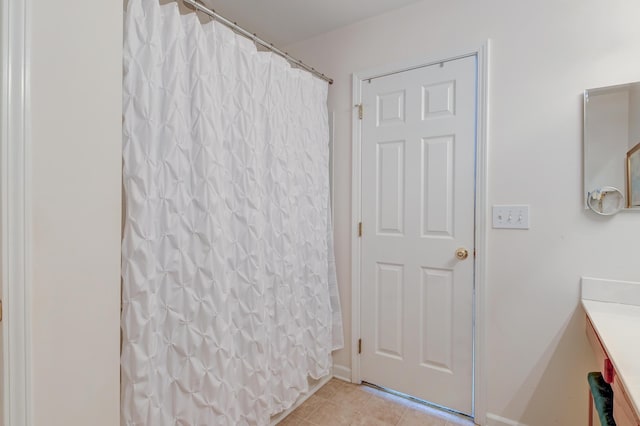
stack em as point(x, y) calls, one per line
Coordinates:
point(632, 152)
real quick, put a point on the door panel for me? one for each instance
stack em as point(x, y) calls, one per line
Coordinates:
point(437, 186)
point(390, 305)
point(390, 172)
point(436, 319)
point(418, 181)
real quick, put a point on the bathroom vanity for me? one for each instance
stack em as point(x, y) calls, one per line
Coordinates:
point(613, 330)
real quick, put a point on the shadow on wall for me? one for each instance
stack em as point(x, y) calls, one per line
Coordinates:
point(562, 363)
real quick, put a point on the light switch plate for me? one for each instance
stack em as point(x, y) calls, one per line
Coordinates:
point(511, 216)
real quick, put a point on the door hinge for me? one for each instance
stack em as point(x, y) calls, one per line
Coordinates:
point(359, 346)
point(360, 111)
point(0, 310)
point(360, 229)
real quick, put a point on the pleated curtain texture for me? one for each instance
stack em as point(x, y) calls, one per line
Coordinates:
point(230, 299)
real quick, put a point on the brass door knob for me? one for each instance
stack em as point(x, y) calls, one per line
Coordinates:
point(462, 253)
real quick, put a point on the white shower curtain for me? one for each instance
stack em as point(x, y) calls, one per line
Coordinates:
point(229, 294)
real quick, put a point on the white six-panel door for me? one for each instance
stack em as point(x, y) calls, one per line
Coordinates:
point(418, 174)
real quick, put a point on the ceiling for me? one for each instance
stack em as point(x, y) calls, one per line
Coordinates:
point(284, 22)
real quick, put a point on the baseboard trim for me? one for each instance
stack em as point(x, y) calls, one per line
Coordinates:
point(495, 420)
point(313, 388)
point(341, 372)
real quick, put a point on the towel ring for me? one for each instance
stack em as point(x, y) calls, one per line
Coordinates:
point(605, 201)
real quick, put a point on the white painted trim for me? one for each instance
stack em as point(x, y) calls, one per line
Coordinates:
point(482, 208)
point(422, 61)
point(342, 372)
point(16, 211)
point(356, 216)
point(482, 53)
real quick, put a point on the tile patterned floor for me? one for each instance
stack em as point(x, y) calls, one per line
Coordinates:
point(339, 403)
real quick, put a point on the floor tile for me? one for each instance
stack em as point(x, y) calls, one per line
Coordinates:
point(332, 414)
point(307, 407)
point(328, 390)
point(293, 420)
point(350, 395)
point(366, 420)
point(460, 421)
point(416, 418)
point(340, 403)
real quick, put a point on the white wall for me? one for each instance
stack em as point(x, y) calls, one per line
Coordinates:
point(544, 54)
point(76, 161)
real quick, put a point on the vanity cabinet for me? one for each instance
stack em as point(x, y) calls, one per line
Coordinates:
point(623, 410)
point(602, 359)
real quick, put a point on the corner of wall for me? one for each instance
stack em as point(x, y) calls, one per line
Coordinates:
point(342, 372)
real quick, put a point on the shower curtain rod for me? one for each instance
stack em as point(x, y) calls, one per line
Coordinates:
point(256, 39)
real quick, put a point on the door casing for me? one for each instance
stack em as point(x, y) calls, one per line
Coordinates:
point(15, 210)
point(482, 53)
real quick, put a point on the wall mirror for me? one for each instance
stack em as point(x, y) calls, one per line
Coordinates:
point(612, 148)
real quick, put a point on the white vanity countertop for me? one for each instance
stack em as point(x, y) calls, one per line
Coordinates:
point(614, 310)
point(618, 327)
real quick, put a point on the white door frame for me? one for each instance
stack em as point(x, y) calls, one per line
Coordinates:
point(15, 192)
point(482, 53)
